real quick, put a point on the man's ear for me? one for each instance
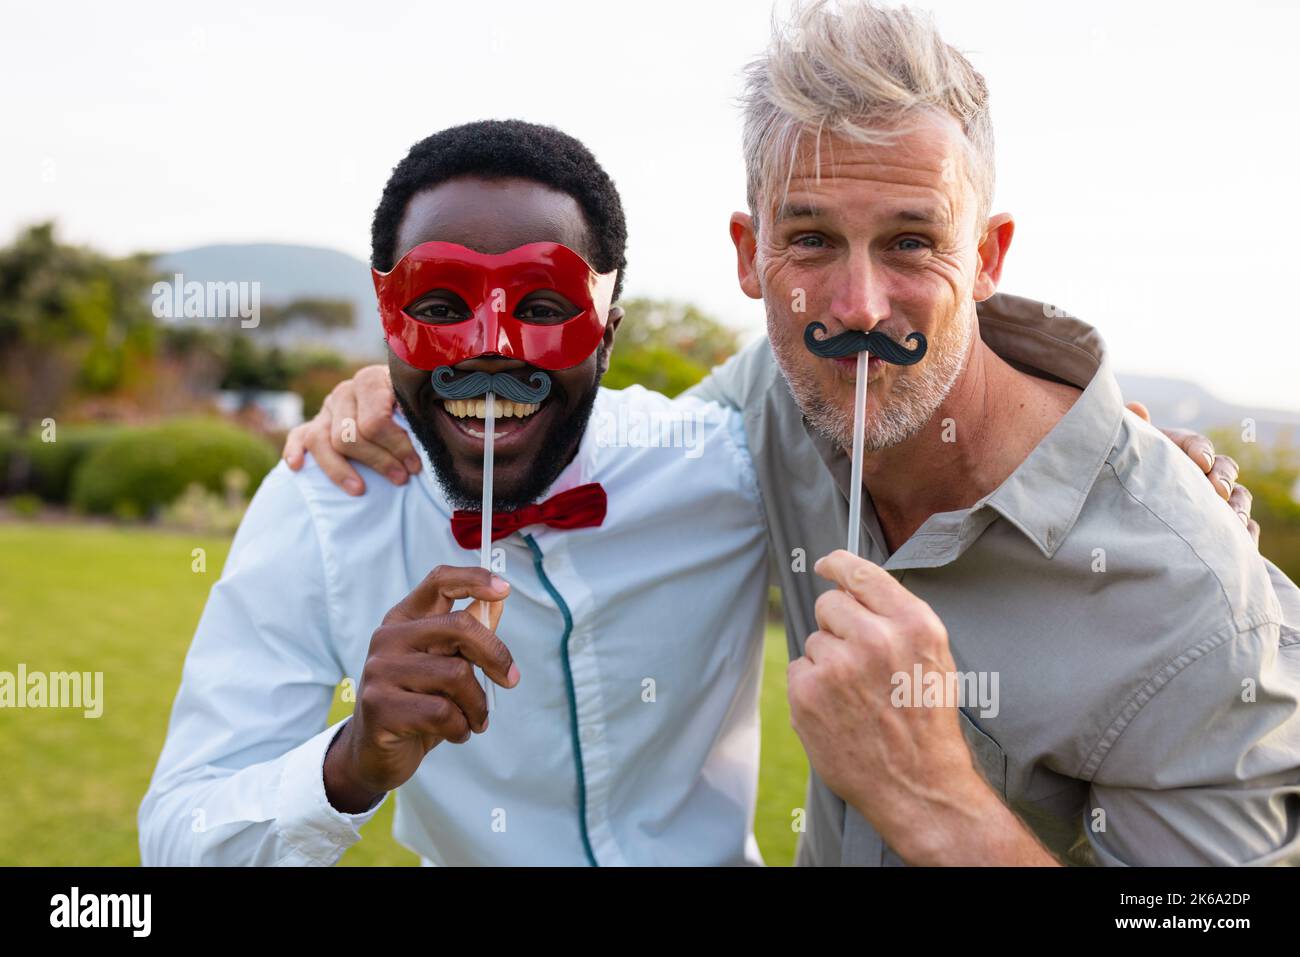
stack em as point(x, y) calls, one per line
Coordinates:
point(993, 254)
point(611, 329)
point(744, 235)
point(611, 325)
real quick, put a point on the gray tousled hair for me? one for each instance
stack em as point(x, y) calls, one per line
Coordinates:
point(857, 70)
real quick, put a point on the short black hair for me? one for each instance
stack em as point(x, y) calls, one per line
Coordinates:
point(499, 149)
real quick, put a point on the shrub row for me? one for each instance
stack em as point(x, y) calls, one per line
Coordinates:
point(50, 465)
point(133, 472)
point(141, 470)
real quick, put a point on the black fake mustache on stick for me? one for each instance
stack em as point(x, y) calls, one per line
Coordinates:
point(853, 341)
point(471, 385)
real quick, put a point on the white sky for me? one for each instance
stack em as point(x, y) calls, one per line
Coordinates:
point(1148, 150)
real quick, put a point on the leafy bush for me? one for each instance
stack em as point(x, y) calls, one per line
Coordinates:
point(25, 505)
point(141, 470)
point(315, 375)
point(1272, 473)
point(50, 465)
point(200, 510)
point(654, 367)
point(666, 346)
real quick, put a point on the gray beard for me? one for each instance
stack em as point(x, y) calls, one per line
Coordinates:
point(913, 397)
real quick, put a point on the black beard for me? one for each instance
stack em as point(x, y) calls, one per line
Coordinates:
point(557, 451)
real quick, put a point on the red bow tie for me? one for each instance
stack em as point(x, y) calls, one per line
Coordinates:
point(581, 507)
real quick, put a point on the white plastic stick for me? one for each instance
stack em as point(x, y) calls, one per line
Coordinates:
point(485, 551)
point(489, 420)
point(859, 429)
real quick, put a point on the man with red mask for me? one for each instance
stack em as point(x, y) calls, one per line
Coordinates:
point(627, 732)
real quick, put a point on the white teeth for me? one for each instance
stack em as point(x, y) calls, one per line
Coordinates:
point(477, 408)
point(507, 409)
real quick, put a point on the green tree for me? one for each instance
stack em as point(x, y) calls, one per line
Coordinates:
point(249, 366)
point(1272, 473)
point(326, 313)
point(667, 346)
point(71, 319)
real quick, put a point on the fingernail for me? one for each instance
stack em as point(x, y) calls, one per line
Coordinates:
point(484, 728)
point(498, 584)
point(1224, 482)
point(353, 486)
point(512, 676)
point(1245, 519)
point(397, 476)
point(412, 464)
point(1208, 457)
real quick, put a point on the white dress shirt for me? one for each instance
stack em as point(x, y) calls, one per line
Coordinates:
point(632, 737)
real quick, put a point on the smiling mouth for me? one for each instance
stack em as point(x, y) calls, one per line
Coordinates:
point(477, 408)
point(468, 416)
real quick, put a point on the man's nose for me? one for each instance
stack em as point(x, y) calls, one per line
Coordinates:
point(861, 298)
point(490, 364)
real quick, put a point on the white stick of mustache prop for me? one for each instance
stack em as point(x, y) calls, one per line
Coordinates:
point(448, 385)
point(864, 344)
point(859, 431)
point(485, 551)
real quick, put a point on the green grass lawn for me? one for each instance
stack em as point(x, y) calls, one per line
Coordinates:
point(125, 601)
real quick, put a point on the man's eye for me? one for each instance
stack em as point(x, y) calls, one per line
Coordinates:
point(439, 309)
point(911, 243)
point(810, 241)
point(544, 311)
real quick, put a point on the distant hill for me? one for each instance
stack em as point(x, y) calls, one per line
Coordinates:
point(287, 272)
point(1176, 402)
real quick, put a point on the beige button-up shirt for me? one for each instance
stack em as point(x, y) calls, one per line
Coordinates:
point(1146, 657)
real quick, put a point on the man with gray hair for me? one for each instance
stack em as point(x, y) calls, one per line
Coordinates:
point(1028, 543)
point(1021, 529)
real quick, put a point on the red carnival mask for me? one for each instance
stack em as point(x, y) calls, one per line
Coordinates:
point(493, 287)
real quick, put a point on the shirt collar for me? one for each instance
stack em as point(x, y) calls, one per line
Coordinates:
point(1044, 495)
point(1046, 492)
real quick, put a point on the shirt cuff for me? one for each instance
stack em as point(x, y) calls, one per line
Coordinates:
point(304, 816)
